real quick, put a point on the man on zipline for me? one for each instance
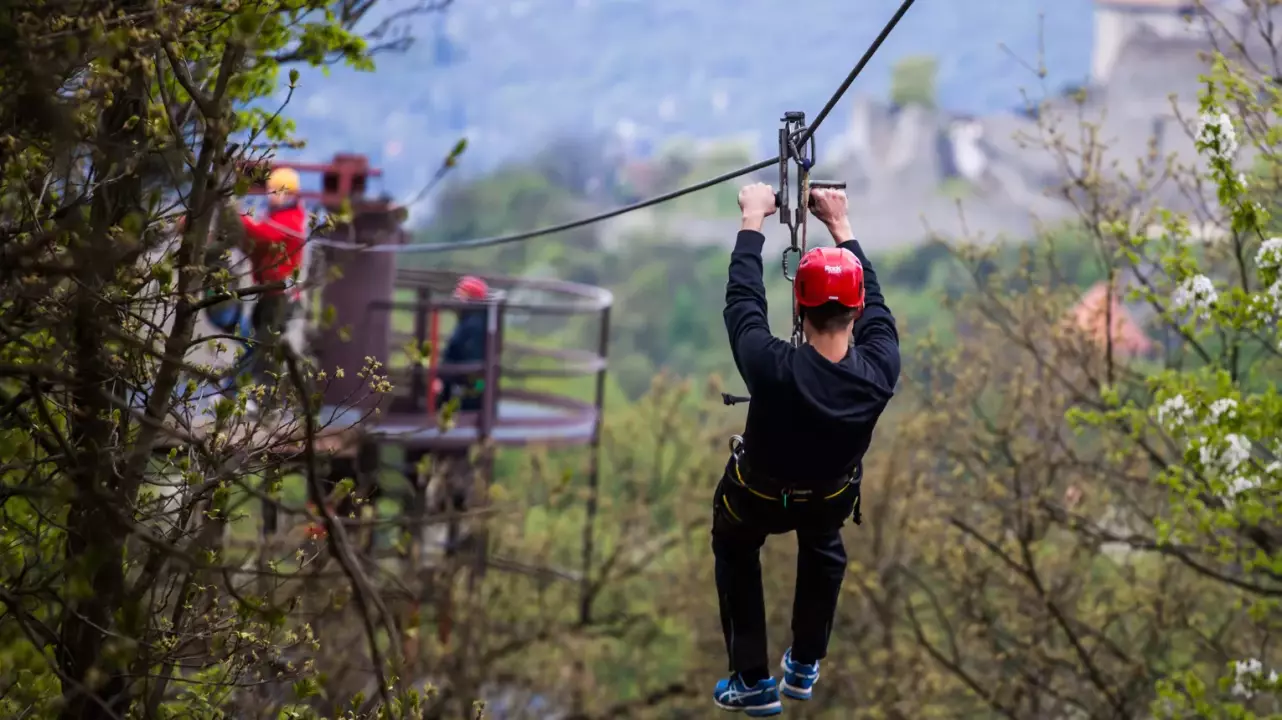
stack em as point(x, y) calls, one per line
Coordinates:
point(800, 463)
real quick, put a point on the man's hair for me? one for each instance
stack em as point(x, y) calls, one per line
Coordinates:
point(830, 317)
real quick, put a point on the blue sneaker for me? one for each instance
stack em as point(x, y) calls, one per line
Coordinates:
point(760, 700)
point(798, 679)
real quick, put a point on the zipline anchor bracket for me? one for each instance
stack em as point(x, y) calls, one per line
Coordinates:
point(796, 145)
point(793, 128)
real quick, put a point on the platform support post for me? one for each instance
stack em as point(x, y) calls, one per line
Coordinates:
point(483, 465)
point(420, 385)
point(594, 477)
point(414, 514)
point(433, 339)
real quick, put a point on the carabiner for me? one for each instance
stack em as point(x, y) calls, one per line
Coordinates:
point(784, 260)
point(736, 446)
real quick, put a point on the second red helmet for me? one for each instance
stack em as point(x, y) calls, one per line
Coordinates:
point(829, 274)
point(471, 287)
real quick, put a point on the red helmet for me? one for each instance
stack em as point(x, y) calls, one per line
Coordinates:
point(829, 274)
point(471, 287)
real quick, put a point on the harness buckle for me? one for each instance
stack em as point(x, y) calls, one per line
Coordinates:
point(736, 446)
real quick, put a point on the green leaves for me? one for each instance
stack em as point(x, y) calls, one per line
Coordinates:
point(307, 688)
point(122, 120)
point(456, 152)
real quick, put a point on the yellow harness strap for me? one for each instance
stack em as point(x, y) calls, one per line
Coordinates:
point(739, 477)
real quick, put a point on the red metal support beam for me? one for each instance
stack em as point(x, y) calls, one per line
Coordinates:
point(344, 179)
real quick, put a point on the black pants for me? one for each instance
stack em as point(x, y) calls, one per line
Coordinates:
point(271, 313)
point(741, 521)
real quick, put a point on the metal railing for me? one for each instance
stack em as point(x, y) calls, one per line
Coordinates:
point(552, 315)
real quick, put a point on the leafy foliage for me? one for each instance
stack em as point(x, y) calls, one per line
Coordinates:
point(1179, 440)
point(117, 481)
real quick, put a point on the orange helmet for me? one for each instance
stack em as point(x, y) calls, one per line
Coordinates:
point(283, 181)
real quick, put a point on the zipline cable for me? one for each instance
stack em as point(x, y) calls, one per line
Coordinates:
point(528, 234)
point(659, 199)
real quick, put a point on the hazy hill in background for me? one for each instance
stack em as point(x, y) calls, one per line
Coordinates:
point(513, 74)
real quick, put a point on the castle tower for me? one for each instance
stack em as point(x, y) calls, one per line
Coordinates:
point(1117, 21)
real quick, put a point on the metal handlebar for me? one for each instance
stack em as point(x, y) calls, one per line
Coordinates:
point(803, 154)
point(817, 185)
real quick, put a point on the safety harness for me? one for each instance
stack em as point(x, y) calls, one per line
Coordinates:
point(787, 494)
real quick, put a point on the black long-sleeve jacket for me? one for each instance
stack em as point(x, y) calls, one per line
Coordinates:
point(810, 420)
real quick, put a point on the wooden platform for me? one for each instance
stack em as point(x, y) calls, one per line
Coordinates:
point(336, 433)
point(523, 418)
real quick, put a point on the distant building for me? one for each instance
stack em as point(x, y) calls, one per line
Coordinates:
point(906, 169)
point(1117, 21)
point(1097, 311)
point(639, 178)
point(967, 157)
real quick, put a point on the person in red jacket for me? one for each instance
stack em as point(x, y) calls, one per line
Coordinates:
point(275, 249)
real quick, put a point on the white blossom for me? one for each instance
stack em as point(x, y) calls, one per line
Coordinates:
point(1266, 305)
point(1248, 667)
point(1174, 412)
point(1238, 452)
point(1273, 298)
point(1224, 407)
point(1270, 253)
point(1217, 132)
point(1242, 483)
point(1207, 455)
point(1195, 292)
point(1246, 670)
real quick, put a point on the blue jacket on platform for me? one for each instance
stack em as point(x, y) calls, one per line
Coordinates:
point(466, 345)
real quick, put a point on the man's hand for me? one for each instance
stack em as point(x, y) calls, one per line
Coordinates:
point(829, 204)
point(757, 201)
point(830, 207)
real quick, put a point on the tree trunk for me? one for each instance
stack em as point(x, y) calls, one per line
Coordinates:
point(95, 683)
